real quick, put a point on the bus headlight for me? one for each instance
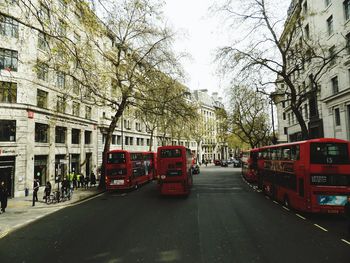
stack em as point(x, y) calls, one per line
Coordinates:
point(162, 177)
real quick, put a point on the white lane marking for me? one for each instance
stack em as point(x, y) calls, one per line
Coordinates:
point(276, 202)
point(300, 216)
point(345, 241)
point(286, 208)
point(320, 227)
point(267, 197)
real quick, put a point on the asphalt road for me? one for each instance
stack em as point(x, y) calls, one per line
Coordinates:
point(223, 220)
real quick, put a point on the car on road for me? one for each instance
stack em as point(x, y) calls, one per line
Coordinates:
point(217, 162)
point(236, 162)
point(195, 169)
point(224, 163)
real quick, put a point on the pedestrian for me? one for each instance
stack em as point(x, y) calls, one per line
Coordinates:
point(78, 179)
point(81, 180)
point(86, 182)
point(47, 191)
point(3, 196)
point(35, 191)
point(206, 162)
point(347, 213)
point(93, 179)
point(75, 182)
point(65, 187)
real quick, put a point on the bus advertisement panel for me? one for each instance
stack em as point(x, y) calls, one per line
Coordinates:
point(311, 176)
point(174, 170)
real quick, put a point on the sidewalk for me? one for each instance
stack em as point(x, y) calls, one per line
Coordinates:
point(20, 211)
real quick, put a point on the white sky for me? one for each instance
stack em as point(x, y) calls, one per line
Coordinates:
point(203, 34)
point(198, 37)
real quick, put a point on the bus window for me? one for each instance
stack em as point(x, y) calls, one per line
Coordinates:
point(329, 153)
point(116, 158)
point(170, 153)
point(295, 152)
point(286, 153)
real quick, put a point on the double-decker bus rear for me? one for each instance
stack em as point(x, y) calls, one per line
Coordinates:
point(174, 170)
point(311, 176)
point(117, 170)
point(329, 175)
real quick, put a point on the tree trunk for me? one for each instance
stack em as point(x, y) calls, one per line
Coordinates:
point(107, 145)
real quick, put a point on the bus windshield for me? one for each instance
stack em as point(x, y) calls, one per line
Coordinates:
point(329, 153)
point(116, 158)
point(170, 153)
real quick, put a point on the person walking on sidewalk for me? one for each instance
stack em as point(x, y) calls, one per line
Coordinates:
point(93, 179)
point(47, 191)
point(3, 196)
point(35, 191)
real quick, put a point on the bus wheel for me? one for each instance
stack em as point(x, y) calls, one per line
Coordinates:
point(286, 201)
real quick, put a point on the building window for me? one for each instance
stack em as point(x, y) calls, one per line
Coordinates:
point(42, 71)
point(8, 92)
point(61, 104)
point(7, 130)
point(8, 26)
point(119, 139)
point(307, 31)
point(285, 130)
point(60, 134)
point(75, 136)
point(62, 28)
point(335, 86)
point(60, 79)
point(40, 169)
point(348, 43)
point(41, 98)
point(337, 117)
point(330, 25)
point(305, 7)
point(76, 87)
point(42, 42)
point(284, 116)
point(306, 112)
point(88, 112)
point(148, 142)
point(41, 132)
point(87, 136)
point(332, 56)
point(8, 59)
point(114, 139)
point(44, 13)
point(313, 107)
point(76, 108)
point(346, 5)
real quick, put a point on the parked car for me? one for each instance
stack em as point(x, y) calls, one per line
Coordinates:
point(236, 162)
point(217, 162)
point(195, 169)
point(224, 163)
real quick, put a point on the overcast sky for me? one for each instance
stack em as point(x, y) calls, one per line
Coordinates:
point(203, 34)
point(196, 36)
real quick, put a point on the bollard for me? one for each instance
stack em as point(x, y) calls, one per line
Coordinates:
point(26, 191)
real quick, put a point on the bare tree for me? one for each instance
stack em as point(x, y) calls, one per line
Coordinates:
point(275, 50)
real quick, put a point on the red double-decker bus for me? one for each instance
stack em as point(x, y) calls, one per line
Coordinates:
point(150, 159)
point(125, 170)
point(311, 176)
point(250, 165)
point(174, 170)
